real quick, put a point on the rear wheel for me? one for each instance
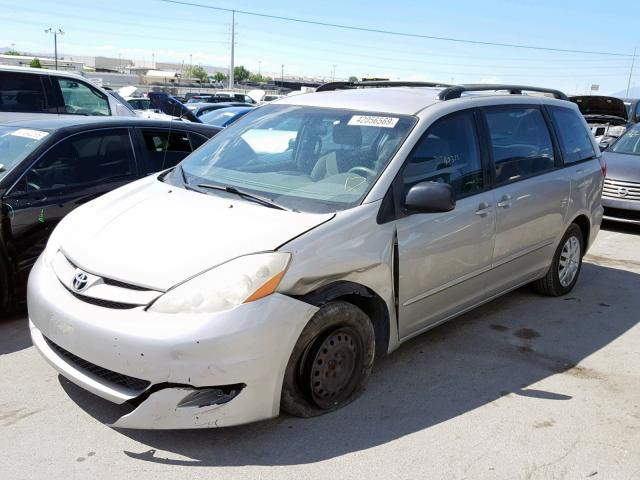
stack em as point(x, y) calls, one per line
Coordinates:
point(565, 268)
point(331, 362)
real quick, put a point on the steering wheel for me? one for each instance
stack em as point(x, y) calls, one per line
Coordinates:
point(368, 172)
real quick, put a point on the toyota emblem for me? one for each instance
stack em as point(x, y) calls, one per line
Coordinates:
point(623, 192)
point(80, 281)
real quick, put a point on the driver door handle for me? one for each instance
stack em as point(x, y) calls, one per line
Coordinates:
point(483, 209)
point(505, 201)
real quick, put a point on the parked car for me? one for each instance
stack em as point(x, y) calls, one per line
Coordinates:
point(51, 166)
point(224, 117)
point(28, 93)
point(199, 108)
point(621, 194)
point(249, 280)
point(608, 117)
point(222, 97)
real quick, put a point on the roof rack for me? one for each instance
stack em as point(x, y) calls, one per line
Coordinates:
point(331, 86)
point(457, 90)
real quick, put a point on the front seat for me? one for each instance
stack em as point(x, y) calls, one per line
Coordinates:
point(348, 138)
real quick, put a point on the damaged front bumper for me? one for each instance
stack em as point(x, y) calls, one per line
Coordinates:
point(177, 371)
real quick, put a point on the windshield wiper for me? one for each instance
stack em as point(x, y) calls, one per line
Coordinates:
point(267, 202)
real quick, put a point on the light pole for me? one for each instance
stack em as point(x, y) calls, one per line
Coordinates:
point(333, 74)
point(633, 61)
point(282, 76)
point(259, 68)
point(232, 66)
point(55, 32)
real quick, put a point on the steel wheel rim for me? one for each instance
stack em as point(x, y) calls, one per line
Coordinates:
point(333, 365)
point(569, 261)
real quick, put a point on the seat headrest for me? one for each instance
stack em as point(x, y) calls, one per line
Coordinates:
point(344, 134)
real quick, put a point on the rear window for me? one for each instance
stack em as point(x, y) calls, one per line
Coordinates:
point(21, 92)
point(575, 140)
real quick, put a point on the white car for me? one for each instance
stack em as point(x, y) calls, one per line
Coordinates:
point(279, 260)
point(29, 93)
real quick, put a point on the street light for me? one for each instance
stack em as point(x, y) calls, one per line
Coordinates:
point(282, 76)
point(333, 74)
point(55, 32)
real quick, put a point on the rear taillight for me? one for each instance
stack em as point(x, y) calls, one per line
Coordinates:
point(603, 166)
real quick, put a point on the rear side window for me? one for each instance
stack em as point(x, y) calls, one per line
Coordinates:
point(86, 159)
point(164, 148)
point(521, 143)
point(81, 99)
point(449, 153)
point(574, 137)
point(22, 92)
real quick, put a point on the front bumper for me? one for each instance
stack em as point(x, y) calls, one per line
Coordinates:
point(174, 354)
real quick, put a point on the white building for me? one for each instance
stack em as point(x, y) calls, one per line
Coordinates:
point(25, 61)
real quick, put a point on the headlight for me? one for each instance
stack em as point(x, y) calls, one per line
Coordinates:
point(238, 281)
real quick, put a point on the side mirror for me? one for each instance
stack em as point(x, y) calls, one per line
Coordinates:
point(430, 197)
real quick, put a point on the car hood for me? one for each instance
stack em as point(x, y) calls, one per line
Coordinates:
point(621, 166)
point(598, 106)
point(170, 106)
point(156, 235)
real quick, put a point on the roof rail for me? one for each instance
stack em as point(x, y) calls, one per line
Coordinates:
point(457, 90)
point(331, 86)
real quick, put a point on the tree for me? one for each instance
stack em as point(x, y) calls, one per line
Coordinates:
point(353, 79)
point(219, 77)
point(259, 78)
point(197, 72)
point(12, 52)
point(35, 63)
point(240, 73)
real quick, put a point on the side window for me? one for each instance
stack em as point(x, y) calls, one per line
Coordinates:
point(575, 140)
point(81, 99)
point(165, 149)
point(448, 153)
point(86, 159)
point(521, 143)
point(21, 92)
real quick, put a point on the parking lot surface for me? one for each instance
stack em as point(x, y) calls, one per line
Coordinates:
point(524, 387)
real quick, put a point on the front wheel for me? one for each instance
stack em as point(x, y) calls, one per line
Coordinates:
point(331, 362)
point(565, 268)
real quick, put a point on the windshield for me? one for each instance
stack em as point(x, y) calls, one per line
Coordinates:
point(303, 158)
point(16, 144)
point(629, 143)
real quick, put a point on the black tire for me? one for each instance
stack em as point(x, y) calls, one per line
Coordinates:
point(551, 283)
point(331, 361)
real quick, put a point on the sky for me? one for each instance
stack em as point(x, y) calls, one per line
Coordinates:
point(139, 28)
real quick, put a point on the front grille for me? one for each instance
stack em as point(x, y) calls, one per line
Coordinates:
point(99, 302)
point(621, 190)
point(622, 214)
point(128, 286)
point(109, 376)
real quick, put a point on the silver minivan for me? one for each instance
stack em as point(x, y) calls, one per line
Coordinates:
point(271, 267)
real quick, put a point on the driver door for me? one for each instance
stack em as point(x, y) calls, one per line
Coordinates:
point(76, 170)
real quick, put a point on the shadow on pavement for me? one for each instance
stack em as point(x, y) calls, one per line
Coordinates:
point(14, 332)
point(496, 350)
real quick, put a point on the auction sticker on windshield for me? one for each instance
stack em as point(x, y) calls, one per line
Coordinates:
point(371, 121)
point(29, 133)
